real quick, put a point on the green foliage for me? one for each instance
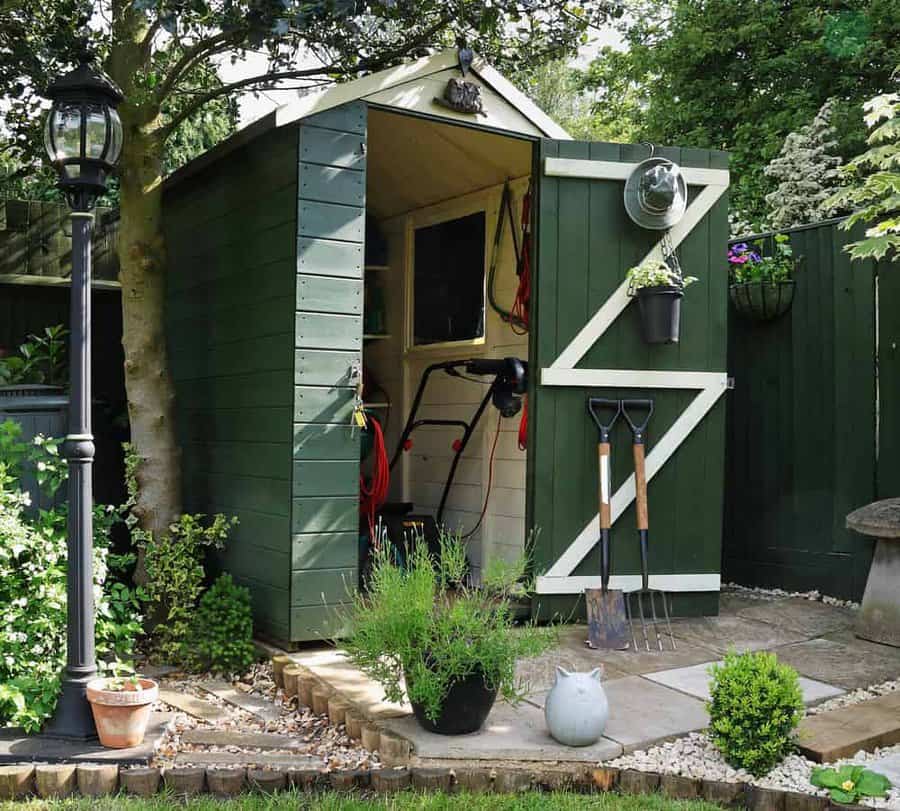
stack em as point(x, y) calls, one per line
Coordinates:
point(33, 589)
point(222, 629)
point(748, 263)
point(656, 273)
point(874, 178)
point(806, 174)
point(755, 706)
point(423, 623)
point(42, 359)
point(849, 783)
point(175, 574)
point(740, 76)
point(559, 90)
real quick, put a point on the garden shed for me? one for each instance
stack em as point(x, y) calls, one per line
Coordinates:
point(345, 242)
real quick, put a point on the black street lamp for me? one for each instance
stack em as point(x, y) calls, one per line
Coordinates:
point(83, 138)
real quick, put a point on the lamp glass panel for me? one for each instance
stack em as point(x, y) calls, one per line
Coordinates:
point(115, 137)
point(94, 131)
point(66, 123)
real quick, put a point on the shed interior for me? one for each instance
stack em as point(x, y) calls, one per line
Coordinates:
point(423, 173)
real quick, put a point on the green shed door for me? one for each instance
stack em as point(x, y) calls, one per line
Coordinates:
point(585, 341)
point(328, 347)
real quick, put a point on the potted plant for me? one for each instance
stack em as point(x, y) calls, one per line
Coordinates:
point(424, 632)
point(659, 286)
point(762, 287)
point(121, 707)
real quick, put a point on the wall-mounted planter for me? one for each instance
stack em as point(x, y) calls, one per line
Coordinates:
point(660, 313)
point(762, 301)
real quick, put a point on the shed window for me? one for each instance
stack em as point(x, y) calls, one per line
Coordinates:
point(448, 281)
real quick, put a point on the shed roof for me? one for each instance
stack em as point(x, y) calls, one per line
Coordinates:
point(412, 88)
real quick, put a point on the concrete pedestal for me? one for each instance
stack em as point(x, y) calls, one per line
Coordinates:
point(879, 616)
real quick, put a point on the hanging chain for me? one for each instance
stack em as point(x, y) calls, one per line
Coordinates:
point(670, 255)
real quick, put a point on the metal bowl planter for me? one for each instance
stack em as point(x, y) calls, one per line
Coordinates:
point(660, 309)
point(762, 300)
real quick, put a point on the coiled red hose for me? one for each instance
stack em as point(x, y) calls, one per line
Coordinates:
point(374, 493)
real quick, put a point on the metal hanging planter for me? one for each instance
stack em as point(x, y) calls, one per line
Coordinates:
point(762, 300)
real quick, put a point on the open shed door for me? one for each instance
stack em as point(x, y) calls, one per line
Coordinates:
point(586, 341)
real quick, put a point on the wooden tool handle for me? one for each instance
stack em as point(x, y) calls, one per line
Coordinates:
point(640, 487)
point(604, 485)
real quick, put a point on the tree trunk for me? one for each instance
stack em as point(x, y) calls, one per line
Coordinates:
point(148, 381)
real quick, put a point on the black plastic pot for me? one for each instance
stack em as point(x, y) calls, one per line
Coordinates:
point(466, 708)
point(762, 301)
point(660, 313)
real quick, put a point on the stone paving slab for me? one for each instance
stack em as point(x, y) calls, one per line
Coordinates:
point(245, 740)
point(252, 758)
point(510, 733)
point(695, 681)
point(192, 705)
point(331, 665)
point(889, 766)
point(17, 747)
point(642, 713)
point(804, 616)
point(849, 664)
point(843, 732)
point(254, 704)
point(725, 632)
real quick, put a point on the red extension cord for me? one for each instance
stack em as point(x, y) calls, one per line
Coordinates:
point(373, 495)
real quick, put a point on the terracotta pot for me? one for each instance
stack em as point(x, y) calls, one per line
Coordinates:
point(121, 716)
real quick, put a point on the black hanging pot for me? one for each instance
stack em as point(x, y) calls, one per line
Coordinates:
point(660, 313)
point(762, 300)
point(465, 709)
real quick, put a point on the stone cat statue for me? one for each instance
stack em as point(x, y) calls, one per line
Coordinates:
point(576, 709)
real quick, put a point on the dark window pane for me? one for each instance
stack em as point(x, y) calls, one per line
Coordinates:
point(448, 281)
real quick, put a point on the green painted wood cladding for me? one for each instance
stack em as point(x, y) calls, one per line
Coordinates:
point(328, 337)
point(585, 244)
point(231, 350)
point(801, 434)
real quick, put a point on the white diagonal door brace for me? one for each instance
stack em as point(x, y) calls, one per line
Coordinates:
point(562, 372)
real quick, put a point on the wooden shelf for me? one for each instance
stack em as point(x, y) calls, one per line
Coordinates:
point(377, 267)
point(377, 405)
point(53, 281)
point(369, 336)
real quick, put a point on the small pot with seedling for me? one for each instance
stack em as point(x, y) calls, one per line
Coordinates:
point(658, 285)
point(121, 707)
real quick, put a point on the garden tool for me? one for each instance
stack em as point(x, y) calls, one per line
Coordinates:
point(607, 621)
point(630, 410)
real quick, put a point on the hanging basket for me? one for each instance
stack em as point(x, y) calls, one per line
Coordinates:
point(660, 313)
point(760, 300)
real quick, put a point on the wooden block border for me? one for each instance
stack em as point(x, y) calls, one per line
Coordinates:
point(23, 781)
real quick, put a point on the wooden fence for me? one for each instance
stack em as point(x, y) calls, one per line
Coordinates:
point(813, 424)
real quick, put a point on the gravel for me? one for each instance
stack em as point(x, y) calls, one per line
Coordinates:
point(773, 594)
point(696, 756)
point(320, 739)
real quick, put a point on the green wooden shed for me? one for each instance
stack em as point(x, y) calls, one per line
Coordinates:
point(354, 230)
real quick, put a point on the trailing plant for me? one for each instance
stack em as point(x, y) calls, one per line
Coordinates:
point(33, 564)
point(806, 173)
point(848, 784)
point(874, 183)
point(222, 629)
point(175, 575)
point(755, 706)
point(41, 359)
point(423, 623)
point(747, 263)
point(656, 273)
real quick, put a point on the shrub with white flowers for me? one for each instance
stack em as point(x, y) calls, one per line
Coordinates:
point(807, 174)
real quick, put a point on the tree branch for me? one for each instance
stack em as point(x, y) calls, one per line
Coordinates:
point(243, 84)
point(198, 51)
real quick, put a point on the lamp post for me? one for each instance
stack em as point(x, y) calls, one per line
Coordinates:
point(83, 138)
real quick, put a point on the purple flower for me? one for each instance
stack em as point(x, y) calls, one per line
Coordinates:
point(740, 247)
point(755, 257)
